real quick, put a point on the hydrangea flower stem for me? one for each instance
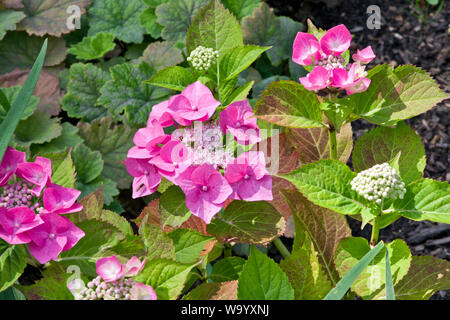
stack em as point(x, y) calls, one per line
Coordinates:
point(333, 146)
point(281, 247)
point(375, 231)
point(227, 252)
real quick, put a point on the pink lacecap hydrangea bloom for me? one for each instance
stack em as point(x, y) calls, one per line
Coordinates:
point(193, 156)
point(31, 207)
point(330, 69)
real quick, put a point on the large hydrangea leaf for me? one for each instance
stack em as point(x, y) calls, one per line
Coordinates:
point(177, 16)
point(49, 16)
point(86, 81)
point(127, 97)
point(119, 17)
point(94, 47)
point(13, 260)
point(113, 141)
point(264, 28)
point(8, 20)
point(214, 291)
point(19, 51)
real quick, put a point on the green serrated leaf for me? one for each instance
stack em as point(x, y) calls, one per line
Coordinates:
point(238, 59)
point(172, 207)
point(63, 171)
point(9, 20)
point(158, 244)
point(13, 259)
point(176, 16)
point(241, 8)
point(240, 93)
point(249, 222)
point(68, 139)
point(214, 291)
point(166, 277)
point(370, 284)
point(127, 97)
point(147, 19)
point(113, 142)
point(289, 104)
point(397, 94)
point(88, 163)
point(383, 144)
point(11, 94)
point(173, 78)
point(262, 279)
point(327, 183)
point(214, 27)
point(37, 129)
point(188, 244)
point(94, 47)
point(119, 17)
point(108, 186)
point(227, 269)
point(80, 101)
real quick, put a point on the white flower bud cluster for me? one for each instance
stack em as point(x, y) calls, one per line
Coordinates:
point(378, 183)
point(202, 58)
point(98, 289)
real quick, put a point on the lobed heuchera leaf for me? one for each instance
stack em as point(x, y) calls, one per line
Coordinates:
point(13, 259)
point(327, 183)
point(113, 141)
point(88, 163)
point(227, 269)
point(262, 279)
point(119, 17)
point(69, 138)
point(83, 91)
point(214, 291)
point(47, 89)
point(173, 78)
point(19, 50)
point(147, 19)
point(49, 16)
point(176, 16)
point(264, 28)
point(425, 276)
point(189, 244)
point(425, 199)
point(93, 47)
point(127, 97)
point(9, 20)
point(241, 8)
point(161, 54)
point(383, 144)
point(11, 94)
point(289, 104)
point(214, 27)
point(249, 222)
point(313, 144)
point(166, 277)
point(12, 4)
point(370, 284)
point(323, 227)
point(36, 129)
point(397, 94)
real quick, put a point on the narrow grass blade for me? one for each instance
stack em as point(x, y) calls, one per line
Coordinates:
point(11, 120)
point(390, 293)
point(4, 101)
point(345, 283)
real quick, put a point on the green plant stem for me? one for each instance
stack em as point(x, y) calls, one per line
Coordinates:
point(227, 251)
point(375, 230)
point(281, 247)
point(333, 145)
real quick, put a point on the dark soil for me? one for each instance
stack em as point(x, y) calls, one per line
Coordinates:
point(402, 39)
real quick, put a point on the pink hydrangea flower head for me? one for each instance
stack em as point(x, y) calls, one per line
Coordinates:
point(146, 177)
point(55, 235)
point(60, 200)
point(206, 190)
point(238, 119)
point(162, 114)
point(133, 267)
point(364, 56)
point(14, 224)
point(9, 163)
point(317, 79)
point(38, 173)
point(196, 102)
point(342, 78)
point(306, 47)
point(109, 268)
point(336, 40)
point(174, 158)
point(141, 291)
point(144, 135)
point(249, 178)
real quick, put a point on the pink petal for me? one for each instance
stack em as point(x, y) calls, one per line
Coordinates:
point(360, 86)
point(317, 79)
point(200, 96)
point(9, 163)
point(305, 48)
point(140, 291)
point(336, 40)
point(133, 267)
point(162, 114)
point(256, 190)
point(109, 268)
point(60, 200)
point(364, 56)
point(342, 78)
